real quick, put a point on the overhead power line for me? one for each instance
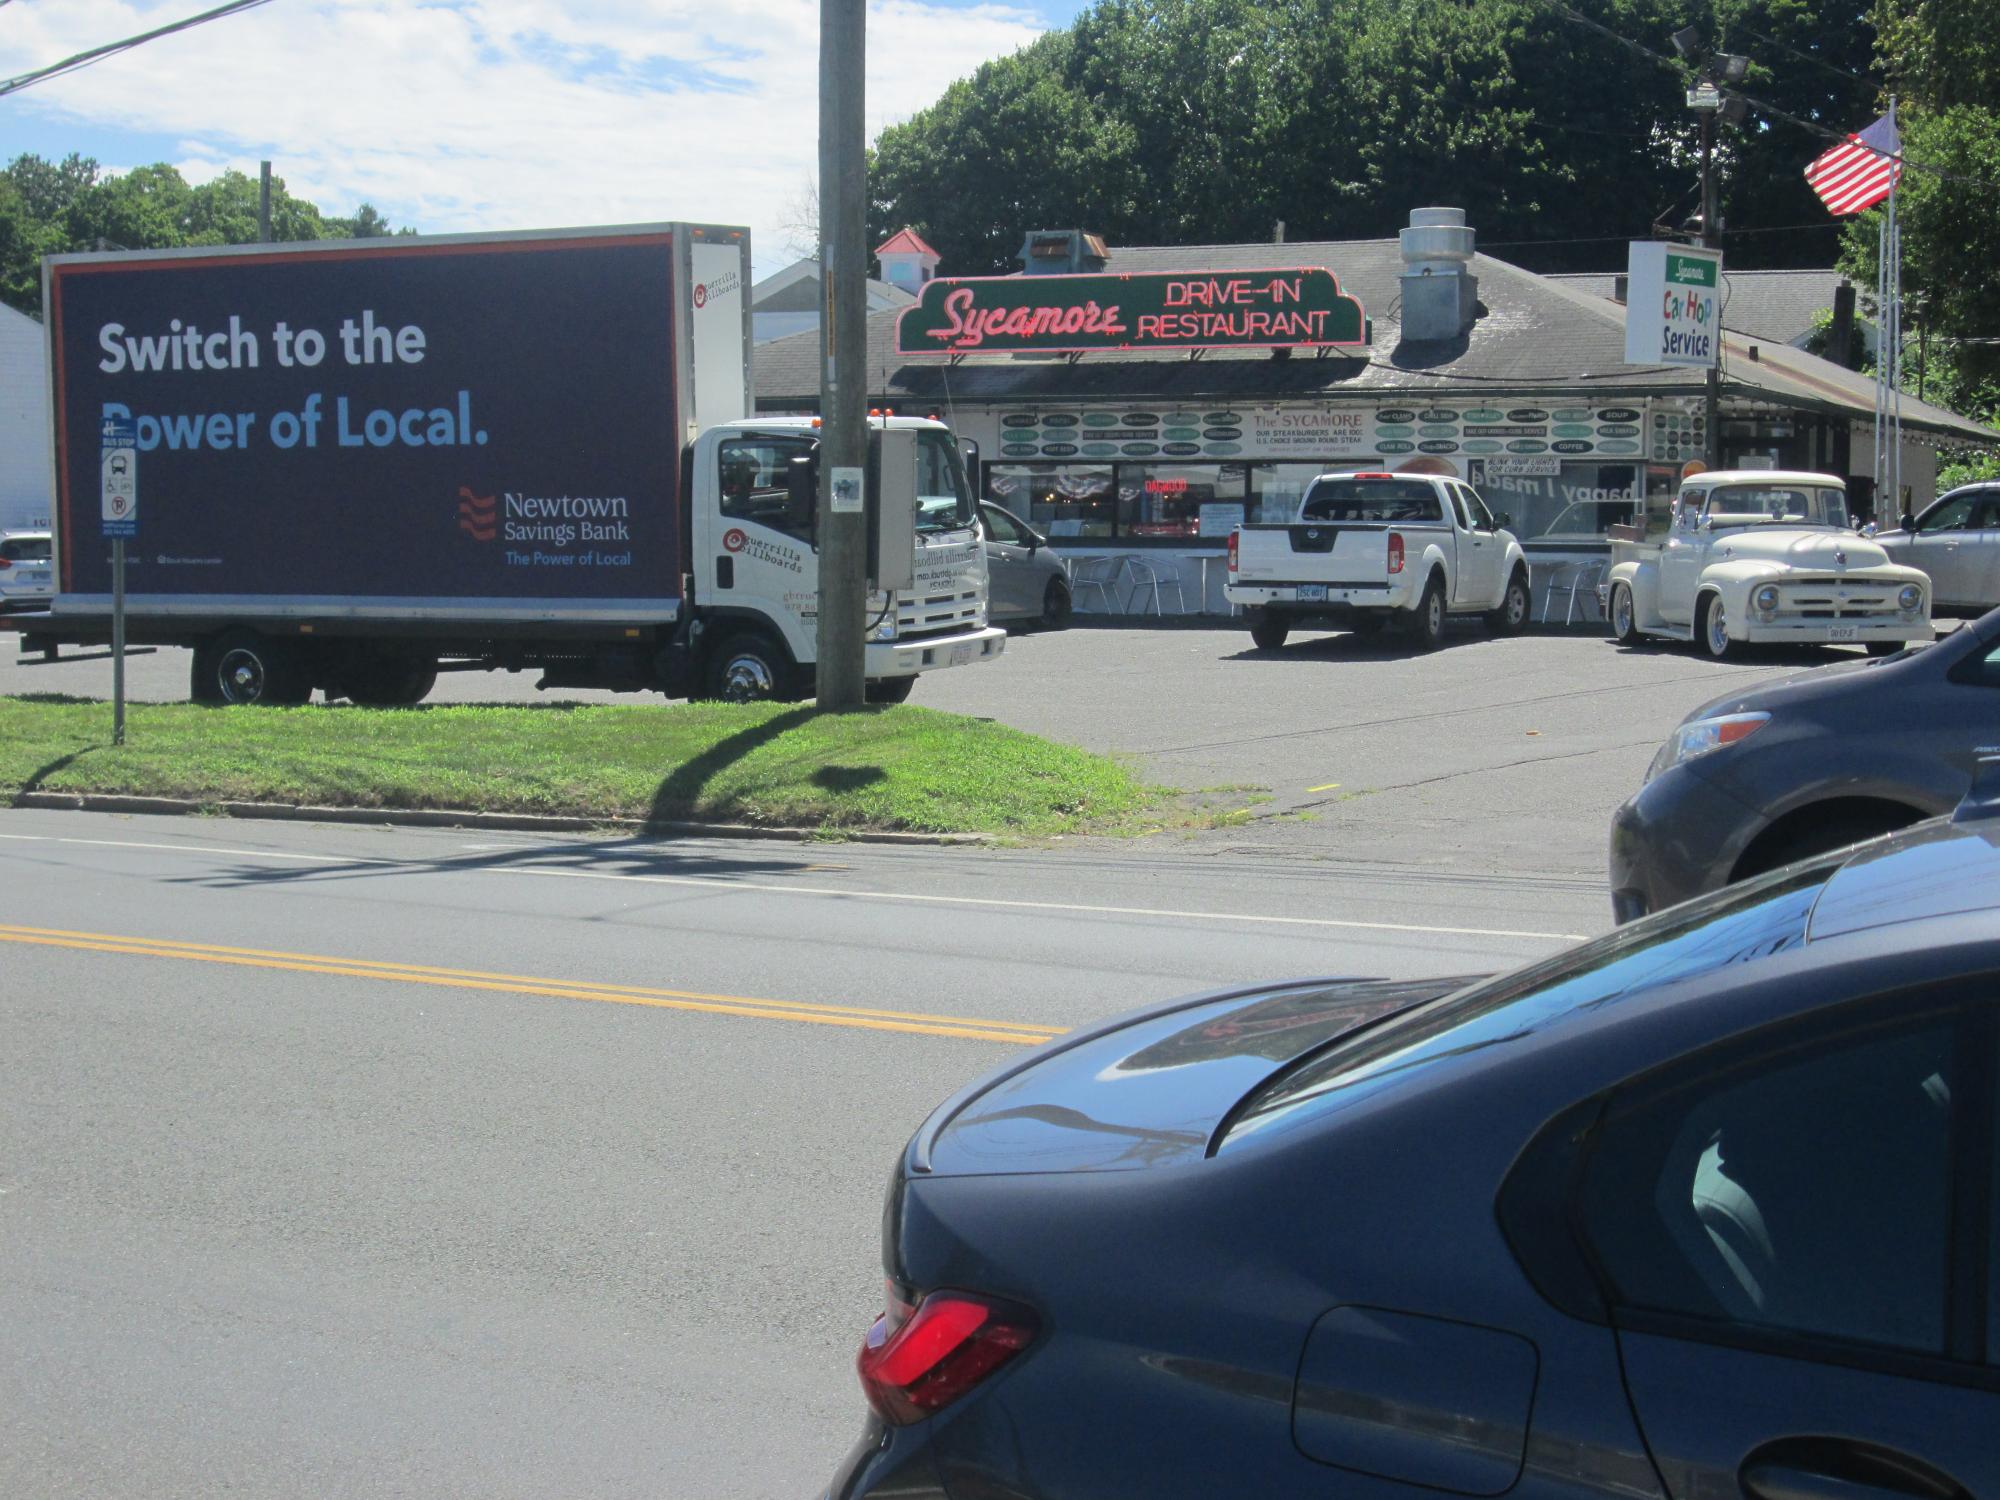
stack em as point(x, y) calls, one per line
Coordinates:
point(112, 49)
point(1812, 127)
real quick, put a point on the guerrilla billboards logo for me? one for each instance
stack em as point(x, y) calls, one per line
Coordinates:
point(1302, 307)
point(739, 543)
point(722, 285)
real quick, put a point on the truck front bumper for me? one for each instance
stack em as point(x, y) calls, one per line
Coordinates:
point(1781, 631)
point(933, 653)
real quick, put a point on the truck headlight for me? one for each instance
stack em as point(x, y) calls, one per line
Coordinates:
point(1910, 598)
point(1766, 598)
point(1703, 735)
point(886, 631)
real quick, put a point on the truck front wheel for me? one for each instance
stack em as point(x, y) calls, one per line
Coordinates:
point(1268, 631)
point(890, 689)
point(241, 666)
point(749, 668)
point(1712, 626)
point(1624, 618)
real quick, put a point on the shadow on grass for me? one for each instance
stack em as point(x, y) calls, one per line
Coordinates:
point(680, 794)
point(60, 700)
point(43, 773)
point(848, 778)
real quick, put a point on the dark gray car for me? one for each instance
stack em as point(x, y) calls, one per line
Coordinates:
point(1028, 584)
point(1758, 779)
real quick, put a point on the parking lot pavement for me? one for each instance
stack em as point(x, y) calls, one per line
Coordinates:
point(1492, 757)
point(1495, 757)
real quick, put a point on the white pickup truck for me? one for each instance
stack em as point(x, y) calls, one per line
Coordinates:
point(1762, 555)
point(1367, 549)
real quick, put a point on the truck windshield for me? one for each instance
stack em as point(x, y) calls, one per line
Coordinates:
point(1777, 504)
point(944, 498)
point(1370, 500)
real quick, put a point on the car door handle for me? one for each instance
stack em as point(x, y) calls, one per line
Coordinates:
point(1830, 1469)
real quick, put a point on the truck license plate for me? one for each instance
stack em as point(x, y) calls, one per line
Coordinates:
point(1841, 633)
point(1312, 593)
point(960, 655)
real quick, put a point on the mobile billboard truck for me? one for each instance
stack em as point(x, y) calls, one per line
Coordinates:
point(364, 463)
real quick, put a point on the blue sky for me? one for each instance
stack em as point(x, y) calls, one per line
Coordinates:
point(492, 114)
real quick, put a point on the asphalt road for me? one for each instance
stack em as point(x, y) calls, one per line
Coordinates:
point(1498, 756)
point(357, 1162)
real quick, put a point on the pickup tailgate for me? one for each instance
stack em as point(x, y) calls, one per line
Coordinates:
point(1345, 554)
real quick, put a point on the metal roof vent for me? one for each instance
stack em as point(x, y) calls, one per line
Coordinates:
point(1440, 294)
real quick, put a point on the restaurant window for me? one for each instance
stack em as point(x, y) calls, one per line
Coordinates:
point(1166, 499)
point(1575, 504)
point(1062, 500)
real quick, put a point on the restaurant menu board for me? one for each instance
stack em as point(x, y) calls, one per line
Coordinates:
point(1394, 434)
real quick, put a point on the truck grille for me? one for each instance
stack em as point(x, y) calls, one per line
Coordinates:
point(1837, 599)
point(935, 614)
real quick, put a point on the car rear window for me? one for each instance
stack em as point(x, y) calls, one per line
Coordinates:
point(1371, 500)
point(1735, 925)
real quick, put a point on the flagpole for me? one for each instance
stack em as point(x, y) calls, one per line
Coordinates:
point(1896, 301)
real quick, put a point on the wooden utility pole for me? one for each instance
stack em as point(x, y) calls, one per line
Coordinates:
point(843, 338)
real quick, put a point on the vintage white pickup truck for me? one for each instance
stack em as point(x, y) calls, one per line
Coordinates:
point(1370, 548)
point(1762, 555)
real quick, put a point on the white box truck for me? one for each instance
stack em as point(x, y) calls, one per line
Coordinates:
point(361, 463)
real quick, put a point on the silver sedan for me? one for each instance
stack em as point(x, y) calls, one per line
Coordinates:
point(1029, 586)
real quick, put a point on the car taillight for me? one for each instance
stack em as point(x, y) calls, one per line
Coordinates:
point(1395, 552)
point(918, 1360)
point(1232, 552)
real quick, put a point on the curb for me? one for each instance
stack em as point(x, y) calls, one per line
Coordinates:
point(418, 817)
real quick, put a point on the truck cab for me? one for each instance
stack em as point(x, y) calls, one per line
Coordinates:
point(1762, 555)
point(755, 563)
point(1369, 548)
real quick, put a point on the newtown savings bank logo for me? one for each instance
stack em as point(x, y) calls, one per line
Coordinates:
point(478, 515)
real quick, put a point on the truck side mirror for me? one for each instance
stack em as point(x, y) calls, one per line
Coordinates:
point(1502, 521)
point(802, 493)
point(1909, 522)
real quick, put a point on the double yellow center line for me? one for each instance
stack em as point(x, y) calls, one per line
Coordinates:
point(961, 1027)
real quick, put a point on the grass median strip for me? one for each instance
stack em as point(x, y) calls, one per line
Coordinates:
point(770, 764)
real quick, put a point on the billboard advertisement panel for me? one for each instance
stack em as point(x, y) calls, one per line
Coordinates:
point(485, 426)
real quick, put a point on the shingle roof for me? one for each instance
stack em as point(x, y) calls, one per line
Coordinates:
point(1534, 336)
point(906, 241)
point(1778, 305)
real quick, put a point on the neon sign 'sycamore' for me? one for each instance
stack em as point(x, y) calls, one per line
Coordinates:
point(1302, 307)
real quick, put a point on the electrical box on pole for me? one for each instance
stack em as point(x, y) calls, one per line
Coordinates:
point(892, 512)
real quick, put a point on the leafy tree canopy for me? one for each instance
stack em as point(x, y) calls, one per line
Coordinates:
point(51, 208)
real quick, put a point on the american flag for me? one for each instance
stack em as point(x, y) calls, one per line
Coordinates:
point(1860, 171)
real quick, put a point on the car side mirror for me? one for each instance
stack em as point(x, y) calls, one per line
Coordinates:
point(801, 492)
point(1909, 522)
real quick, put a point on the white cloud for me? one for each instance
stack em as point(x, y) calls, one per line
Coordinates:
point(503, 114)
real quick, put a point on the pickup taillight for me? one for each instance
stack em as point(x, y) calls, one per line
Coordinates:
point(1395, 552)
point(1232, 551)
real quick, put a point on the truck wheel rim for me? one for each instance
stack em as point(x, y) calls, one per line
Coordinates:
point(747, 677)
point(1621, 612)
point(1434, 616)
point(1718, 629)
point(241, 675)
point(1517, 604)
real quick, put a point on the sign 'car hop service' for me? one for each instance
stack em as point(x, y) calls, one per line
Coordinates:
point(1302, 307)
point(1673, 305)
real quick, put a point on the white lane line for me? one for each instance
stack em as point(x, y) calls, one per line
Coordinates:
point(1053, 906)
point(318, 859)
point(698, 882)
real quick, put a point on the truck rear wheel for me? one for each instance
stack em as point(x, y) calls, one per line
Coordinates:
point(242, 667)
point(1712, 626)
point(749, 668)
point(389, 681)
point(1268, 631)
point(1427, 621)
